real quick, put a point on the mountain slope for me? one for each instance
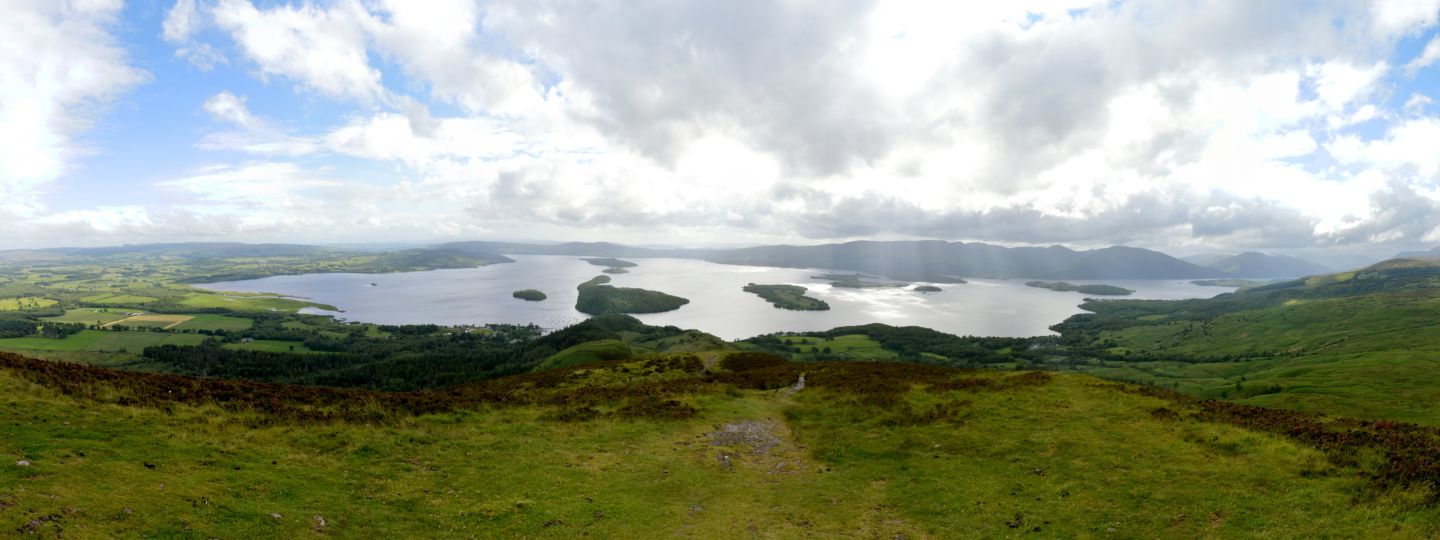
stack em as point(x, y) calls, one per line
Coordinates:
point(1120, 262)
point(1259, 265)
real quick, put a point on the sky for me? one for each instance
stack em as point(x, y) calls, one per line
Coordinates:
point(1305, 127)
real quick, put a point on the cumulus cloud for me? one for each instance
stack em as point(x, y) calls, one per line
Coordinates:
point(59, 68)
point(1078, 121)
point(322, 48)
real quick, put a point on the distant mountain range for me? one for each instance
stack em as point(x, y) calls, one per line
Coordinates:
point(939, 261)
point(186, 250)
point(1252, 264)
point(925, 260)
point(1432, 252)
point(936, 260)
point(921, 260)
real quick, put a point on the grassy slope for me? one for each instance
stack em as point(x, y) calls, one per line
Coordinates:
point(586, 353)
point(1374, 355)
point(1069, 457)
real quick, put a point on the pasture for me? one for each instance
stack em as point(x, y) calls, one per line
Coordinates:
point(268, 345)
point(96, 316)
point(215, 322)
point(100, 341)
point(119, 299)
point(25, 302)
point(248, 302)
point(857, 346)
point(151, 321)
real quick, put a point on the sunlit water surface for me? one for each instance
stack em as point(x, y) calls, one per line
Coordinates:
point(987, 307)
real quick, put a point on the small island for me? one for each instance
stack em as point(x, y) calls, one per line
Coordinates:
point(926, 288)
point(615, 271)
point(856, 281)
point(530, 295)
point(599, 298)
point(609, 262)
point(787, 297)
point(1098, 290)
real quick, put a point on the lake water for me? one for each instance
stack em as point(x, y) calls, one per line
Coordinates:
point(987, 307)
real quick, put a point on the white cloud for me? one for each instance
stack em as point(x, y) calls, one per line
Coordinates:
point(1417, 103)
point(1398, 17)
point(59, 68)
point(1340, 83)
point(1408, 148)
point(252, 134)
point(231, 108)
point(1426, 58)
point(181, 22)
point(319, 48)
point(184, 20)
point(1168, 123)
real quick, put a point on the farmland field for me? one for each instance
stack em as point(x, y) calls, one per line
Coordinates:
point(98, 340)
point(151, 321)
point(215, 322)
point(119, 299)
point(26, 302)
point(854, 346)
point(89, 316)
point(247, 303)
point(269, 345)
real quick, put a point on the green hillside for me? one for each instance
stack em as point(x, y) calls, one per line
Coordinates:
point(680, 446)
point(1361, 344)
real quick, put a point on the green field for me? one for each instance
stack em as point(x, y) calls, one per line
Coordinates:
point(90, 316)
point(270, 346)
point(162, 321)
point(215, 322)
point(25, 302)
point(248, 303)
point(101, 341)
point(859, 347)
point(119, 299)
